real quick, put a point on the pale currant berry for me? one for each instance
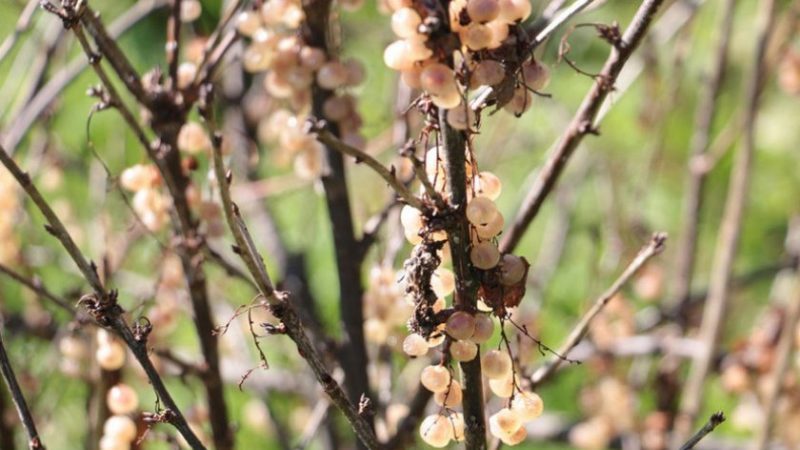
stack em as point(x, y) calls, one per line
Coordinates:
point(122, 427)
point(138, 177)
point(536, 75)
point(460, 325)
point(418, 51)
point(496, 364)
point(447, 100)
point(405, 22)
point(436, 431)
point(499, 33)
point(514, 10)
point(512, 269)
point(105, 337)
point(312, 57)
point(457, 425)
point(520, 435)
point(451, 397)
point(443, 282)
point(476, 36)
point(520, 102)
point(397, 56)
point(438, 79)
point(113, 443)
point(487, 73)
point(190, 10)
point(481, 210)
point(463, 350)
point(356, 72)
point(332, 75)
point(376, 331)
point(488, 185)
point(435, 378)
point(411, 220)
point(460, 117)
point(73, 347)
point(394, 5)
point(439, 305)
point(336, 108)
point(504, 423)
point(193, 139)
point(483, 10)
point(395, 413)
point(491, 229)
point(308, 162)
point(110, 356)
point(484, 255)
point(122, 399)
point(502, 387)
point(411, 77)
point(186, 73)
point(248, 22)
point(415, 345)
point(256, 415)
point(277, 84)
point(528, 405)
point(484, 328)
point(257, 58)
point(299, 78)
point(454, 9)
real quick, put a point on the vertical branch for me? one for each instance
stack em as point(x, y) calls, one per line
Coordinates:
point(466, 293)
point(346, 246)
point(173, 41)
point(785, 347)
point(583, 123)
point(730, 228)
point(693, 195)
point(34, 443)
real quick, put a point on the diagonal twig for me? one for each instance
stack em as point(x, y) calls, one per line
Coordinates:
point(34, 442)
point(653, 248)
point(713, 422)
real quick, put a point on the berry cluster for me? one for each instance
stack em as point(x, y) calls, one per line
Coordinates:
point(120, 430)
point(484, 34)
point(292, 69)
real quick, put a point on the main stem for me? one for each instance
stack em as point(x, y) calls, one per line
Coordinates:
point(453, 143)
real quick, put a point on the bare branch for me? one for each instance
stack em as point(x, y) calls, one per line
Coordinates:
point(34, 442)
point(653, 248)
point(327, 138)
point(583, 123)
point(36, 286)
point(713, 422)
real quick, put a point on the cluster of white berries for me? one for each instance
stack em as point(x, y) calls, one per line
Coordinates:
point(385, 307)
point(110, 353)
point(120, 430)
point(149, 202)
point(481, 28)
point(9, 204)
point(291, 68)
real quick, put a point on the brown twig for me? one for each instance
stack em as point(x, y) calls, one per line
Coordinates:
point(23, 22)
point(583, 123)
point(36, 286)
point(453, 145)
point(282, 307)
point(331, 141)
point(653, 248)
point(34, 442)
point(704, 118)
point(730, 229)
point(713, 422)
point(174, 41)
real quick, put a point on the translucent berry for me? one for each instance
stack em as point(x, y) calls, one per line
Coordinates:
point(405, 22)
point(504, 423)
point(436, 431)
point(443, 282)
point(502, 387)
point(487, 73)
point(536, 75)
point(122, 399)
point(528, 405)
point(481, 210)
point(517, 437)
point(483, 10)
point(460, 325)
point(435, 378)
point(476, 36)
point(190, 10)
point(193, 138)
point(332, 75)
point(110, 356)
point(512, 270)
point(415, 345)
point(463, 350)
point(122, 427)
point(484, 327)
point(449, 398)
point(496, 364)
point(492, 228)
point(484, 255)
point(248, 22)
point(397, 56)
point(488, 185)
point(514, 10)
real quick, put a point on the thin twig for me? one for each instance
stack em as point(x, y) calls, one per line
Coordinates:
point(327, 138)
point(282, 306)
point(36, 286)
point(653, 248)
point(34, 442)
point(713, 422)
point(730, 229)
point(23, 22)
point(583, 123)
